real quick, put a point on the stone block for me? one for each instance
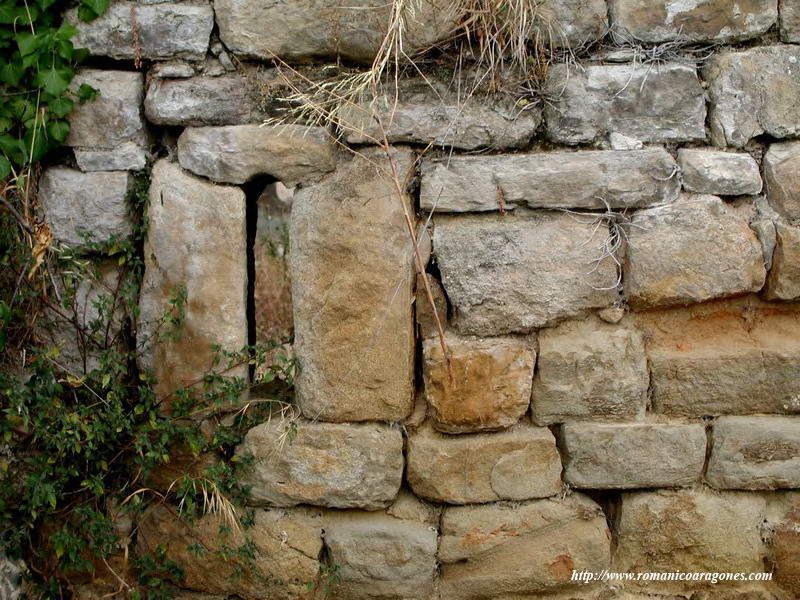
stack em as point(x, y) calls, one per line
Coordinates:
point(426, 320)
point(196, 242)
point(198, 101)
point(427, 112)
point(689, 531)
point(577, 180)
point(381, 556)
point(236, 154)
point(755, 453)
point(632, 455)
point(652, 104)
point(719, 173)
point(590, 370)
point(724, 358)
point(782, 177)
point(113, 120)
point(703, 21)
point(85, 207)
point(693, 250)
point(514, 273)
point(790, 20)
point(783, 531)
point(287, 544)
point(521, 550)
point(783, 279)
point(326, 464)
point(127, 157)
point(571, 23)
point(304, 31)
point(753, 92)
point(490, 387)
point(351, 265)
point(163, 30)
point(517, 464)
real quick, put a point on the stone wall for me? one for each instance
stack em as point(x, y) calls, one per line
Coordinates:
point(617, 269)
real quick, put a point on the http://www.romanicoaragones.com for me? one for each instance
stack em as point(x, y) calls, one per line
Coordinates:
point(708, 577)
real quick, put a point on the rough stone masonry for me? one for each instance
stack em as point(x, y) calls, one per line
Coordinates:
point(631, 406)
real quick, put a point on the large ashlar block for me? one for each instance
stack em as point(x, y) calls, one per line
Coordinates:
point(577, 180)
point(590, 370)
point(521, 550)
point(490, 387)
point(690, 251)
point(632, 455)
point(85, 207)
point(517, 464)
point(287, 544)
point(724, 358)
point(700, 21)
point(381, 555)
point(689, 531)
point(753, 92)
point(755, 453)
point(238, 153)
point(652, 104)
point(514, 273)
point(782, 175)
point(326, 464)
point(196, 243)
point(352, 271)
point(109, 132)
point(304, 31)
point(164, 30)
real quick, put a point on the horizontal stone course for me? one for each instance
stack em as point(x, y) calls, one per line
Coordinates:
point(719, 173)
point(513, 272)
point(590, 370)
point(632, 455)
point(755, 453)
point(163, 30)
point(753, 92)
point(513, 551)
point(703, 21)
point(516, 464)
point(693, 250)
point(723, 358)
point(325, 464)
point(490, 387)
point(663, 103)
point(578, 180)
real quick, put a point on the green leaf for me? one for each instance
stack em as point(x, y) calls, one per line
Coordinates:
point(61, 106)
point(5, 170)
point(55, 81)
point(98, 7)
point(28, 43)
point(86, 92)
point(65, 32)
point(58, 130)
point(11, 73)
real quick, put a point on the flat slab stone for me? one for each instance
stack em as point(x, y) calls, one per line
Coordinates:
point(164, 30)
point(514, 273)
point(198, 101)
point(513, 550)
point(85, 207)
point(516, 464)
point(491, 385)
point(652, 104)
point(590, 370)
point(753, 92)
point(326, 464)
point(238, 153)
point(719, 173)
point(304, 31)
point(127, 157)
point(351, 266)
point(783, 279)
point(632, 455)
point(693, 250)
point(196, 242)
point(689, 531)
point(723, 358)
point(286, 546)
point(755, 453)
point(427, 112)
point(578, 180)
point(701, 21)
point(782, 177)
